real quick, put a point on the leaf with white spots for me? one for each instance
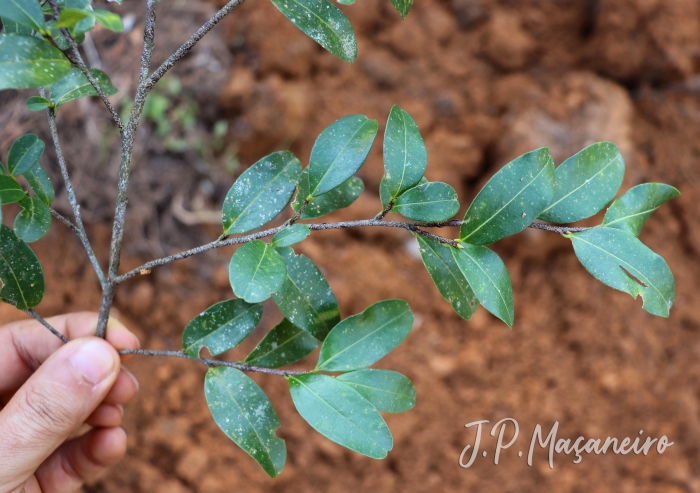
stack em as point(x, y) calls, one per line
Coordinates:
point(261, 192)
point(339, 152)
point(449, 280)
point(324, 23)
point(24, 153)
point(341, 196)
point(388, 391)
point(34, 221)
point(221, 327)
point(256, 271)
point(28, 62)
point(619, 260)
point(40, 183)
point(75, 85)
point(305, 298)
point(244, 413)
point(432, 201)
point(26, 13)
point(511, 199)
point(341, 414)
point(405, 156)
point(403, 7)
point(290, 235)
point(363, 339)
point(585, 183)
point(631, 211)
point(488, 277)
point(283, 345)
point(20, 272)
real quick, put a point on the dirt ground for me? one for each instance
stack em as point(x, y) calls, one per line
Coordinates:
point(485, 80)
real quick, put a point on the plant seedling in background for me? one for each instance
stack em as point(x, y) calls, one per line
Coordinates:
point(341, 397)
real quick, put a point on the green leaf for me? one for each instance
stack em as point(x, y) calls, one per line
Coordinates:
point(20, 272)
point(70, 17)
point(86, 24)
point(511, 199)
point(244, 413)
point(34, 221)
point(291, 235)
point(283, 345)
point(631, 211)
point(24, 153)
point(11, 27)
point(37, 103)
point(585, 183)
point(341, 414)
point(339, 152)
point(619, 260)
point(403, 7)
point(346, 2)
point(24, 12)
point(432, 202)
point(341, 196)
point(75, 85)
point(385, 195)
point(363, 339)
point(220, 327)
point(108, 19)
point(256, 271)
point(324, 23)
point(405, 156)
point(40, 183)
point(305, 298)
point(488, 277)
point(388, 391)
point(27, 62)
point(10, 190)
point(261, 192)
point(449, 280)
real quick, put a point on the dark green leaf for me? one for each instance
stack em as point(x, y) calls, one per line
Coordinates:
point(631, 211)
point(70, 17)
point(385, 195)
point(86, 24)
point(324, 23)
point(24, 153)
point(403, 7)
point(20, 271)
point(40, 183)
point(27, 62)
point(341, 414)
point(488, 277)
point(291, 235)
point(37, 103)
point(242, 411)
point(24, 12)
point(365, 338)
point(11, 27)
point(220, 327)
point(388, 391)
point(261, 192)
point(75, 85)
point(511, 199)
point(108, 19)
point(256, 271)
point(450, 281)
point(283, 345)
point(405, 156)
point(34, 221)
point(585, 183)
point(432, 202)
point(305, 298)
point(341, 196)
point(346, 2)
point(10, 190)
point(619, 260)
point(339, 152)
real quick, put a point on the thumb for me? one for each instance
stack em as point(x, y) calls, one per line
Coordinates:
point(53, 404)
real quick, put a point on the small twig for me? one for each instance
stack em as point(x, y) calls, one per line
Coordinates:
point(386, 210)
point(43, 322)
point(295, 217)
point(212, 362)
point(64, 220)
point(79, 228)
point(435, 237)
point(556, 229)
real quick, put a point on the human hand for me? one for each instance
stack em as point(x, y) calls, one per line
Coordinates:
point(49, 390)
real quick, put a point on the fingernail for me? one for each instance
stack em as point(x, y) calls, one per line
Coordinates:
point(94, 360)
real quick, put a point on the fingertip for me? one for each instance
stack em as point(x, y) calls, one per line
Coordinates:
point(106, 446)
point(120, 337)
point(106, 416)
point(124, 388)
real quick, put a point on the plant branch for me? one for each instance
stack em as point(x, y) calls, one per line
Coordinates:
point(78, 226)
point(562, 230)
point(212, 362)
point(64, 220)
point(190, 43)
point(43, 322)
point(386, 210)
